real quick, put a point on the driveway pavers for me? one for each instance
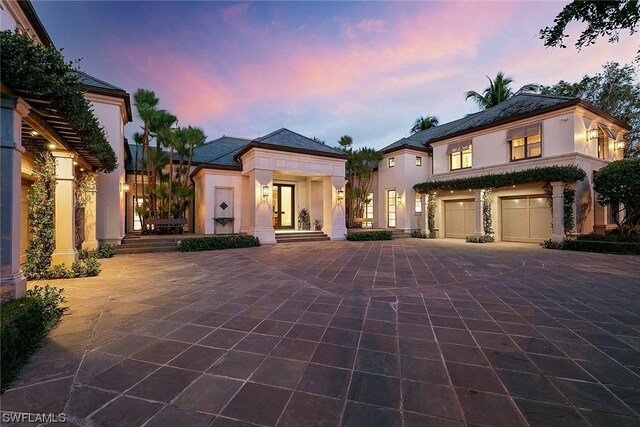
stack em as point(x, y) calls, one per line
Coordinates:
point(407, 332)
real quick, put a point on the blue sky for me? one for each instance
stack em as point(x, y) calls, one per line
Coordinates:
point(323, 69)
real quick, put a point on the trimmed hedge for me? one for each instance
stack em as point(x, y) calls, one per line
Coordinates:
point(369, 235)
point(24, 322)
point(507, 179)
point(609, 238)
point(480, 239)
point(602, 246)
point(218, 242)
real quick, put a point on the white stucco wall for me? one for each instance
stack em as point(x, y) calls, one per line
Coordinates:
point(206, 182)
point(110, 215)
point(402, 177)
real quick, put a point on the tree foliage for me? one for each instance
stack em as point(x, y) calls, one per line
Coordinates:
point(359, 171)
point(165, 159)
point(499, 90)
point(618, 186)
point(615, 90)
point(603, 19)
point(424, 123)
point(29, 68)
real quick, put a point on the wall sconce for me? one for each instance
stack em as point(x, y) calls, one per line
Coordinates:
point(399, 199)
point(340, 195)
point(124, 187)
point(265, 192)
point(620, 144)
point(592, 134)
point(51, 146)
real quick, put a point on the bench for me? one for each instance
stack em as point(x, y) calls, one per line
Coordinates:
point(163, 223)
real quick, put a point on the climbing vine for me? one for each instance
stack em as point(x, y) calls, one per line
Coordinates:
point(569, 197)
point(41, 199)
point(431, 215)
point(84, 184)
point(487, 221)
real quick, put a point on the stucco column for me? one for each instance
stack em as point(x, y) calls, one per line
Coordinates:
point(65, 252)
point(261, 207)
point(13, 284)
point(90, 240)
point(477, 194)
point(557, 233)
point(425, 214)
point(333, 210)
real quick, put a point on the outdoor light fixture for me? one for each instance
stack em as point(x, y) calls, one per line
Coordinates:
point(124, 187)
point(52, 146)
point(340, 195)
point(399, 199)
point(592, 134)
point(34, 133)
point(620, 144)
point(265, 191)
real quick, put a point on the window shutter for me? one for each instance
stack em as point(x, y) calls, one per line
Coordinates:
point(608, 131)
point(531, 130)
point(524, 131)
point(458, 146)
point(515, 134)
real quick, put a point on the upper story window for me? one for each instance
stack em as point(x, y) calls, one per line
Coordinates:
point(525, 142)
point(604, 136)
point(418, 161)
point(392, 162)
point(460, 155)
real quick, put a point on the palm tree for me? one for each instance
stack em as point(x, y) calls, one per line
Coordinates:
point(498, 91)
point(424, 123)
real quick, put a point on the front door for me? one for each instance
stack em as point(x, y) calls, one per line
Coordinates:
point(283, 203)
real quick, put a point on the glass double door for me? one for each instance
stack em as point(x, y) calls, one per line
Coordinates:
point(283, 203)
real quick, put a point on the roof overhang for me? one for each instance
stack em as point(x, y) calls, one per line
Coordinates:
point(258, 144)
point(34, 20)
point(424, 149)
point(113, 93)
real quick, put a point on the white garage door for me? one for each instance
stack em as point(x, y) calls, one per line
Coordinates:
point(526, 219)
point(459, 218)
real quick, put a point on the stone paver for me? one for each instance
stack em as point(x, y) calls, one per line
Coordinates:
point(399, 333)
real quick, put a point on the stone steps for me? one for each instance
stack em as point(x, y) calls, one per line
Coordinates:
point(145, 245)
point(313, 236)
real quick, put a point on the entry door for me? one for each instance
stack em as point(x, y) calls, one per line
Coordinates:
point(283, 203)
point(391, 208)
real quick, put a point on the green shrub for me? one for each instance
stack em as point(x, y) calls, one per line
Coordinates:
point(611, 237)
point(552, 244)
point(480, 239)
point(369, 235)
point(218, 242)
point(419, 235)
point(24, 322)
point(87, 267)
point(602, 246)
point(104, 251)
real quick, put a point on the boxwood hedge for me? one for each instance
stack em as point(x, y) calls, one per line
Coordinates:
point(215, 243)
point(369, 235)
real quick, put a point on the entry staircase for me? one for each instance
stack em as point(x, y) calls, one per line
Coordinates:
point(134, 244)
point(295, 237)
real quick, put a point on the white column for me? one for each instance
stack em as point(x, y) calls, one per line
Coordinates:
point(261, 207)
point(478, 212)
point(13, 284)
point(90, 240)
point(425, 213)
point(334, 224)
point(65, 252)
point(557, 233)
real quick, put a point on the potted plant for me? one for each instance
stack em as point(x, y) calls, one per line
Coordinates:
point(304, 220)
point(317, 224)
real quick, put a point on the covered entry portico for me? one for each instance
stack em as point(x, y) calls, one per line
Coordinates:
point(279, 184)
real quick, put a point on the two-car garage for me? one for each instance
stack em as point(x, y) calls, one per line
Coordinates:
point(522, 218)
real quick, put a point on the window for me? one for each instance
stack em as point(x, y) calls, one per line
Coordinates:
point(368, 211)
point(392, 162)
point(602, 144)
point(418, 203)
point(418, 161)
point(526, 142)
point(614, 211)
point(460, 156)
point(391, 208)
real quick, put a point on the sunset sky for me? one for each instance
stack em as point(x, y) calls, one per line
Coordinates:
point(323, 69)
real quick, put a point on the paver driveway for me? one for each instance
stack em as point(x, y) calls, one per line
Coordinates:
point(385, 333)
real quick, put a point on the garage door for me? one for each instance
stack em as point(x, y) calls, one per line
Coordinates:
point(526, 219)
point(459, 218)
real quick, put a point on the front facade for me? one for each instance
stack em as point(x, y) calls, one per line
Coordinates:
point(525, 132)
